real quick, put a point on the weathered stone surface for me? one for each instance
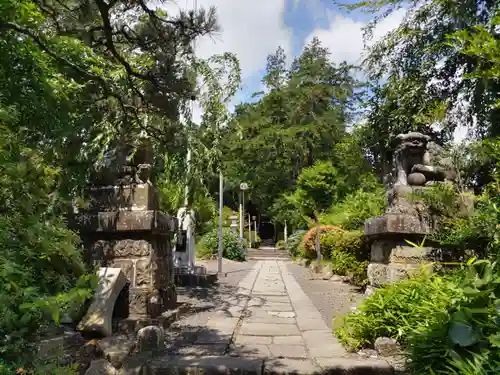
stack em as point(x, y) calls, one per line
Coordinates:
point(135, 197)
point(52, 347)
point(380, 274)
point(349, 366)
point(201, 350)
point(290, 366)
point(250, 351)
point(275, 306)
point(336, 278)
point(101, 367)
point(124, 221)
point(377, 274)
point(255, 340)
point(288, 351)
point(368, 353)
point(150, 339)
point(266, 329)
point(98, 318)
point(144, 272)
point(381, 250)
point(397, 271)
point(116, 349)
point(387, 347)
point(307, 322)
point(466, 204)
point(411, 254)
point(135, 365)
point(417, 179)
point(126, 265)
point(123, 248)
point(393, 223)
point(288, 340)
point(210, 365)
point(322, 344)
point(132, 325)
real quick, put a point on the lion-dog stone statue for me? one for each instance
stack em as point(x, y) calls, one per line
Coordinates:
point(419, 162)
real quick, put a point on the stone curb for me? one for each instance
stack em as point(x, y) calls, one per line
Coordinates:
point(223, 365)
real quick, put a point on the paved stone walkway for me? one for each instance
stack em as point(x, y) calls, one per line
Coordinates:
point(265, 325)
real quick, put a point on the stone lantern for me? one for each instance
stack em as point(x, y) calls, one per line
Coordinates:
point(234, 223)
point(123, 229)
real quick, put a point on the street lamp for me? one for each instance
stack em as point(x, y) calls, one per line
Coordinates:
point(243, 187)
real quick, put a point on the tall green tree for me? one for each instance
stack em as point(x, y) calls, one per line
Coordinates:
point(298, 122)
point(423, 82)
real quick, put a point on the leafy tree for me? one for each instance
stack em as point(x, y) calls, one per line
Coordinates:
point(417, 74)
point(298, 122)
point(317, 188)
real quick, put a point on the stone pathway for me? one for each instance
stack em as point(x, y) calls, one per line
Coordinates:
point(267, 324)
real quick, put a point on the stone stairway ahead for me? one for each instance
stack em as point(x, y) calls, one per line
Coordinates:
point(267, 253)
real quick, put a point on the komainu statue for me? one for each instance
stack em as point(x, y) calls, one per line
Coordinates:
point(418, 161)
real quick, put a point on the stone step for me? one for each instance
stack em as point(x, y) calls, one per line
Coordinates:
point(267, 254)
point(224, 365)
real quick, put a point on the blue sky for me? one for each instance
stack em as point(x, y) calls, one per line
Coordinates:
point(253, 29)
point(334, 25)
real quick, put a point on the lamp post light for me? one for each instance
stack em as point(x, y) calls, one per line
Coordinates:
point(243, 188)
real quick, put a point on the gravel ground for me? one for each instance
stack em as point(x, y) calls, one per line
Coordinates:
point(331, 298)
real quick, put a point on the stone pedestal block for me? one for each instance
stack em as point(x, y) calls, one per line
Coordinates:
point(392, 258)
point(98, 318)
point(396, 224)
point(136, 240)
point(137, 197)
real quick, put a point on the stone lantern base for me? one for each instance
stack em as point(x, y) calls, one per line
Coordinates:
point(138, 242)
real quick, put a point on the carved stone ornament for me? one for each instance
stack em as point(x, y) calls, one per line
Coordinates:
point(125, 164)
point(420, 162)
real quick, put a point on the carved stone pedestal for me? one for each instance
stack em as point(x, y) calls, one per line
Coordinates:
point(392, 258)
point(122, 228)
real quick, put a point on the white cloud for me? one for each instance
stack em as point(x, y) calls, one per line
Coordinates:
point(250, 29)
point(344, 36)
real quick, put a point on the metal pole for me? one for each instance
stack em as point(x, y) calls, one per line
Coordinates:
point(286, 233)
point(249, 230)
point(242, 213)
point(221, 206)
point(187, 215)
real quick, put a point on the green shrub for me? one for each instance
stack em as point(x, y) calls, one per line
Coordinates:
point(465, 338)
point(255, 239)
point(348, 253)
point(294, 241)
point(233, 247)
point(280, 245)
point(396, 310)
point(355, 209)
point(308, 244)
point(42, 273)
point(478, 231)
